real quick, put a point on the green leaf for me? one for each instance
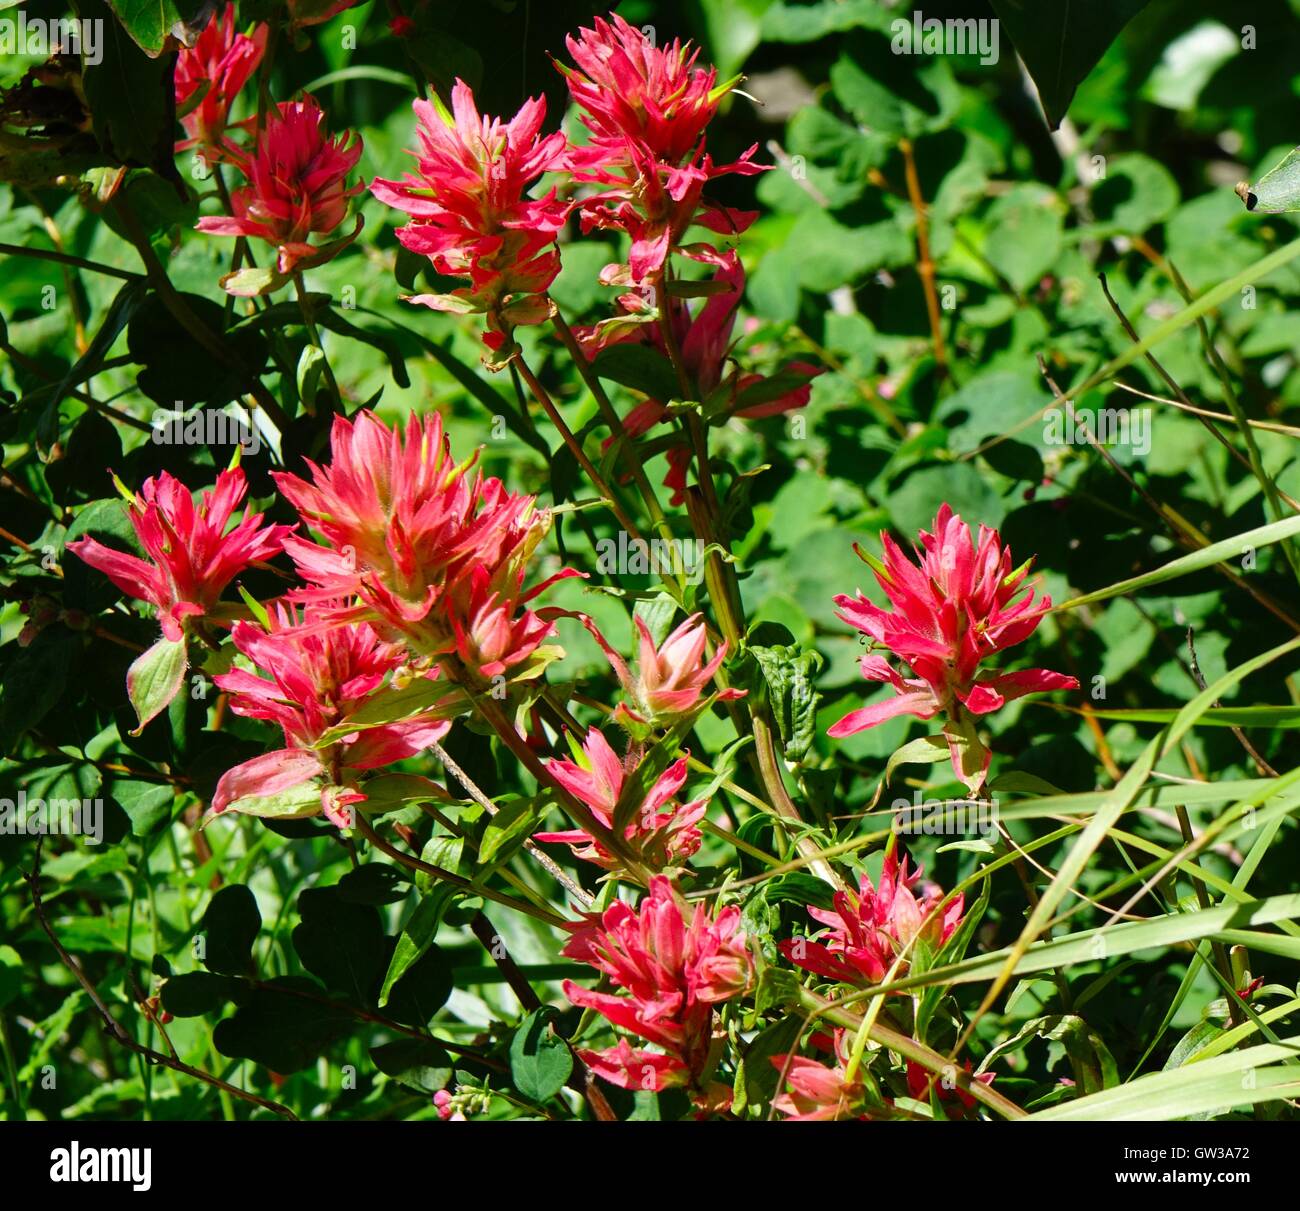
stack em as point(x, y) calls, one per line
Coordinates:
point(925, 750)
point(788, 675)
point(1061, 43)
point(342, 944)
point(162, 25)
point(286, 1025)
point(155, 678)
point(33, 682)
point(417, 1063)
point(230, 928)
point(148, 804)
point(640, 367)
point(129, 92)
point(197, 992)
point(1242, 1078)
point(540, 1061)
point(422, 990)
point(512, 823)
point(416, 937)
point(1278, 190)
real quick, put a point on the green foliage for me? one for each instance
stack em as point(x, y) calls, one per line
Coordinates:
point(932, 238)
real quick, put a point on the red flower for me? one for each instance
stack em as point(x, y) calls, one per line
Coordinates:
point(317, 675)
point(870, 929)
point(704, 340)
point(401, 27)
point(297, 186)
point(646, 110)
point(920, 1081)
point(673, 974)
point(221, 61)
point(819, 1093)
point(670, 678)
point(428, 552)
point(191, 557)
point(662, 832)
point(470, 210)
point(956, 606)
point(630, 91)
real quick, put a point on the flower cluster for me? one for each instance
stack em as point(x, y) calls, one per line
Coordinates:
point(191, 556)
point(428, 551)
point(661, 832)
point(671, 677)
point(674, 973)
point(646, 109)
point(316, 677)
point(819, 1093)
point(209, 76)
point(959, 604)
point(297, 186)
point(869, 931)
point(471, 214)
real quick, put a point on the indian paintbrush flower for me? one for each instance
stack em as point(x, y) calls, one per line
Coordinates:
point(952, 609)
point(297, 187)
point(869, 930)
point(673, 972)
point(471, 214)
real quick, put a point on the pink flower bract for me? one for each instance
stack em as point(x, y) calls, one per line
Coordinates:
point(868, 930)
point(661, 832)
point(316, 676)
point(470, 210)
point(959, 604)
point(221, 60)
point(673, 973)
point(191, 557)
point(297, 186)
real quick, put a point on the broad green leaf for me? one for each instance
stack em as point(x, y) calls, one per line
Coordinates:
point(1061, 43)
point(540, 1061)
point(155, 678)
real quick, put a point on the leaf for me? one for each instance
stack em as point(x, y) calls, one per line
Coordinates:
point(230, 928)
point(1242, 1078)
point(540, 1061)
point(1278, 190)
point(925, 750)
point(756, 1075)
point(374, 883)
point(33, 682)
point(1061, 43)
point(417, 1063)
point(129, 92)
point(285, 1026)
point(155, 678)
point(253, 281)
point(162, 25)
point(311, 366)
point(422, 990)
point(196, 993)
point(512, 823)
point(788, 674)
point(1025, 236)
point(640, 367)
point(416, 937)
point(342, 944)
point(148, 804)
